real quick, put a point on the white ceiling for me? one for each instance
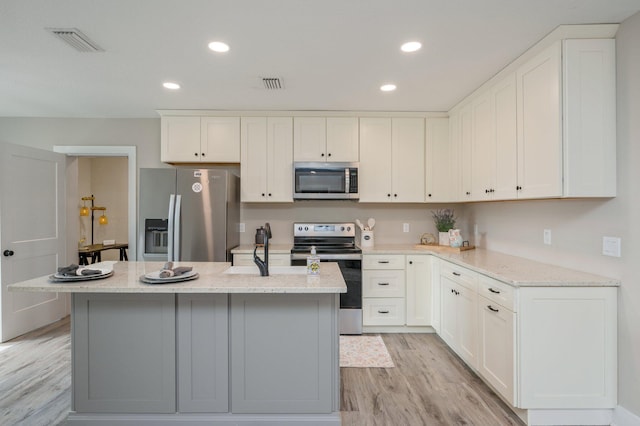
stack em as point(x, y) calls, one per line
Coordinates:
point(331, 54)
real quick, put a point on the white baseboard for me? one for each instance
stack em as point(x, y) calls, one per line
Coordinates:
point(624, 417)
point(570, 417)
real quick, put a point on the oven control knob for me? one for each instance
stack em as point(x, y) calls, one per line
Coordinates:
point(348, 228)
point(342, 228)
point(306, 228)
point(299, 228)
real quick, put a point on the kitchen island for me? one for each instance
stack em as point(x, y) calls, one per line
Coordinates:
point(225, 349)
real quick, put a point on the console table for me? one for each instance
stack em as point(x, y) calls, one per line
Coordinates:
point(94, 252)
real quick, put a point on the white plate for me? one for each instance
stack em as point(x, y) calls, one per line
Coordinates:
point(56, 278)
point(154, 278)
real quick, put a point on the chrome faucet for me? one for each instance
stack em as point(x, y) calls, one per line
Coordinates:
point(262, 239)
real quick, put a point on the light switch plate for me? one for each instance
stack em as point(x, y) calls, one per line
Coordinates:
point(547, 236)
point(405, 227)
point(611, 246)
point(241, 227)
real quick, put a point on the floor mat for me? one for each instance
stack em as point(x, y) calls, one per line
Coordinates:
point(364, 351)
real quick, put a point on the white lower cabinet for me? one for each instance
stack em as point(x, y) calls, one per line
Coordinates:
point(418, 273)
point(496, 361)
point(383, 290)
point(551, 351)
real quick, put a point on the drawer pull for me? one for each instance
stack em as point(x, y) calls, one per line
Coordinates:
point(383, 261)
point(383, 283)
point(492, 309)
point(457, 274)
point(493, 291)
point(383, 312)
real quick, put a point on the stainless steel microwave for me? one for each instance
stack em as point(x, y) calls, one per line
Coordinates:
point(325, 181)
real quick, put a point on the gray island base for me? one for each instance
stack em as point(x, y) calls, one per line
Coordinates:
point(221, 350)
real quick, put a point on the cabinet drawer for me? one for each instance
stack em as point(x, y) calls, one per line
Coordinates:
point(460, 275)
point(381, 261)
point(382, 283)
point(497, 291)
point(383, 311)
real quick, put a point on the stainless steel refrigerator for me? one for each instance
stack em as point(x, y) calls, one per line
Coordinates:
point(188, 214)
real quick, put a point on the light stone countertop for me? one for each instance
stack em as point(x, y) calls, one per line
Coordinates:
point(126, 279)
point(513, 270)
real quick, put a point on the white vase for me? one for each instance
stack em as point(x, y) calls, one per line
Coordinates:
point(443, 238)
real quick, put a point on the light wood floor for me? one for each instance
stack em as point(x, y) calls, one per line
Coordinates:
point(428, 386)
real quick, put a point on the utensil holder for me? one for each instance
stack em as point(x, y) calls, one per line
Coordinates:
point(366, 239)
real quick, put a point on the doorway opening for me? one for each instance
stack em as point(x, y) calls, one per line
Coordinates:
point(75, 190)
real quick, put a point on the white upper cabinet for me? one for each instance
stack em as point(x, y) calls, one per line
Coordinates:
point(326, 139)
point(180, 139)
point(589, 93)
point(465, 145)
point(266, 166)
point(494, 155)
point(392, 160)
point(187, 139)
point(440, 172)
point(220, 139)
point(540, 125)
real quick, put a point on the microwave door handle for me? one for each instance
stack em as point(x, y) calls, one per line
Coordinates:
point(346, 180)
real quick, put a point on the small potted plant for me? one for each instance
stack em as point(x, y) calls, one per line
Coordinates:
point(444, 220)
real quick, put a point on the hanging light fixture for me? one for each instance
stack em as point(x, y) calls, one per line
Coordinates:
point(84, 210)
point(103, 220)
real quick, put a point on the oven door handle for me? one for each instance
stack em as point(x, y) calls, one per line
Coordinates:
point(327, 256)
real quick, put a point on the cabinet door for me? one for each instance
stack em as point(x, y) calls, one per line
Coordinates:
point(418, 272)
point(180, 139)
point(467, 306)
point(496, 347)
point(253, 164)
point(448, 312)
point(342, 139)
point(124, 356)
point(465, 151)
point(280, 159)
point(540, 125)
point(220, 139)
point(284, 353)
point(203, 353)
point(309, 139)
point(483, 149)
point(407, 160)
point(439, 173)
point(375, 160)
point(503, 97)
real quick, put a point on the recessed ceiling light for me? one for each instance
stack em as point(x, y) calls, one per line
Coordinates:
point(218, 46)
point(411, 46)
point(388, 87)
point(171, 85)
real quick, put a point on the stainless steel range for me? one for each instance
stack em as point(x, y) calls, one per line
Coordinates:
point(335, 242)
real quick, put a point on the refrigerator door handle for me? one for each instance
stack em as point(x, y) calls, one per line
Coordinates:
point(176, 238)
point(172, 207)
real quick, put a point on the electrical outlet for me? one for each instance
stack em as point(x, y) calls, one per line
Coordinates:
point(547, 237)
point(611, 246)
point(241, 227)
point(475, 229)
point(405, 227)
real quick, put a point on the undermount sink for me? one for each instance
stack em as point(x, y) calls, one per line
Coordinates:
point(273, 270)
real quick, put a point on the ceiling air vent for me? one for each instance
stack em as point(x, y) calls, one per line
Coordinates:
point(76, 39)
point(272, 83)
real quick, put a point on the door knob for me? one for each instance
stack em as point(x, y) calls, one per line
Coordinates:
point(8, 253)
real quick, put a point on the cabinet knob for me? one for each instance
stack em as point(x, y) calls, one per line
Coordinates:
point(395, 195)
point(428, 195)
point(486, 191)
point(388, 195)
point(263, 194)
point(8, 253)
point(411, 262)
point(518, 188)
point(322, 155)
point(195, 153)
point(203, 154)
point(329, 155)
point(468, 193)
point(269, 194)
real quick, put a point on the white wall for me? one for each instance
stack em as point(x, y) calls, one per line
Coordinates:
point(579, 225)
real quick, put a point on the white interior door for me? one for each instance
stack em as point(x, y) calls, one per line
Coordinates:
point(32, 235)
